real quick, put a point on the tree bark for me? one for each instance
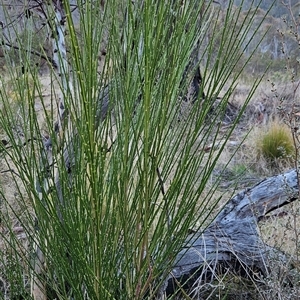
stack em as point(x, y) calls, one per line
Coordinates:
point(232, 241)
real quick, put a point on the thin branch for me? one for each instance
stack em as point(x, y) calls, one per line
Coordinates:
point(11, 171)
point(4, 143)
point(33, 52)
point(161, 182)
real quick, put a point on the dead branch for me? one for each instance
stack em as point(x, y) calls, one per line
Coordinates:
point(232, 241)
point(33, 52)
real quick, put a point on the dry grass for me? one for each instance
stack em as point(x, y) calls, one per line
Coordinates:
point(247, 168)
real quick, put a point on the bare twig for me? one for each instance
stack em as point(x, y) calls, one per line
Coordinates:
point(161, 182)
point(33, 52)
point(11, 171)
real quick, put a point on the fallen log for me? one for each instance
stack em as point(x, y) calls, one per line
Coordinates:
point(232, 241)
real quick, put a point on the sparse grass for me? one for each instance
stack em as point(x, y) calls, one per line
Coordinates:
point(228, 287)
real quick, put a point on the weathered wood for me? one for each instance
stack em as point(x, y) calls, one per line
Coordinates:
point(232, 241)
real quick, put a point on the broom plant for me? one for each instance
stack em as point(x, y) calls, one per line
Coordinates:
point(108, 198)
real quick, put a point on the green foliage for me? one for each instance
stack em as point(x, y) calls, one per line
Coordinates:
point(108, 216)
point(276, 142)
point(31, 42)
point(240, 169)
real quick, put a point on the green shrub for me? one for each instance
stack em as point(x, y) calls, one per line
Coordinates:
point(276, 142)
point(107, 229)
